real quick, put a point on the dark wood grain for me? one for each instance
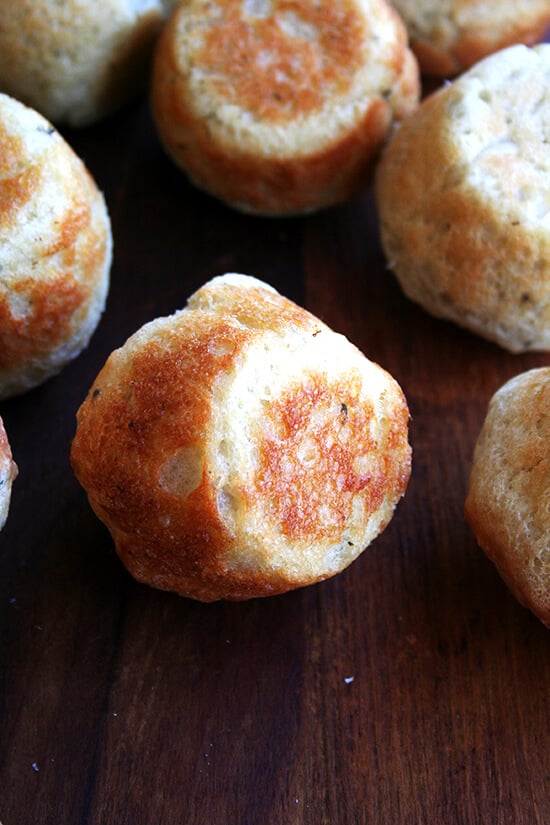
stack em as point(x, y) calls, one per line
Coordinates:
point(410, 689)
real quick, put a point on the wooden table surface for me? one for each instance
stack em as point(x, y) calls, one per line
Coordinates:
point(410, 689)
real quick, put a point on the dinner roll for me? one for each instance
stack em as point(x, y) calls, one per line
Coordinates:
point(55, 250)
point(279, 108)
point(8, 472)
point(449, 37)
point(508, 503)
point(240, 448)
point(463, 194)
point(76, 61)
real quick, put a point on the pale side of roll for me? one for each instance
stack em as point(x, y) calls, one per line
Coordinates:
point(77, 61)
point(450, 36)
point(241, 448)
point(8, 473)
point(463, 195)
point(508, 503)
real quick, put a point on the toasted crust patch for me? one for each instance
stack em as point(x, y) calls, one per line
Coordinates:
point(508, 503)
point(240, 448)
point(279, 69)
point(55, 250)
point(282, 106)
point(306, 436)
point(463, 194)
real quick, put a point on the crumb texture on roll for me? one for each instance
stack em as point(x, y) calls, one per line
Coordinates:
point(241, 448)
point(77, 61)
point(450, 36)
point(508, 503)
point(8, 473)
point(463, 195)
point(55, 250)
point(281, 107)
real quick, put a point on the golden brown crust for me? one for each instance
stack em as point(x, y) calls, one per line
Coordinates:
point(508, 502)
point(55, 250)
point(214, 490)
point(293, 80)
point(284, 121)
point(24, 339)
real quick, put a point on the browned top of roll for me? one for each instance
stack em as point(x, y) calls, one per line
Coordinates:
point(281, 106)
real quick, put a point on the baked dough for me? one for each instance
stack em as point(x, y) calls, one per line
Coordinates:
point(508, 503)
point(240, 448)
point(77, 61)
point(8, 473)
point(55, 250)
point(280, 107)
point(463, 195)
point(450, 36)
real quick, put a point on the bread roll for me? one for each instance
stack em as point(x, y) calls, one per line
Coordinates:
point(450, 36)
point(55, 250)
point(76, 61)
point(463, 194)
point(508, 503)
point(240, 448)
point(280, 108)
point(8, 473)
